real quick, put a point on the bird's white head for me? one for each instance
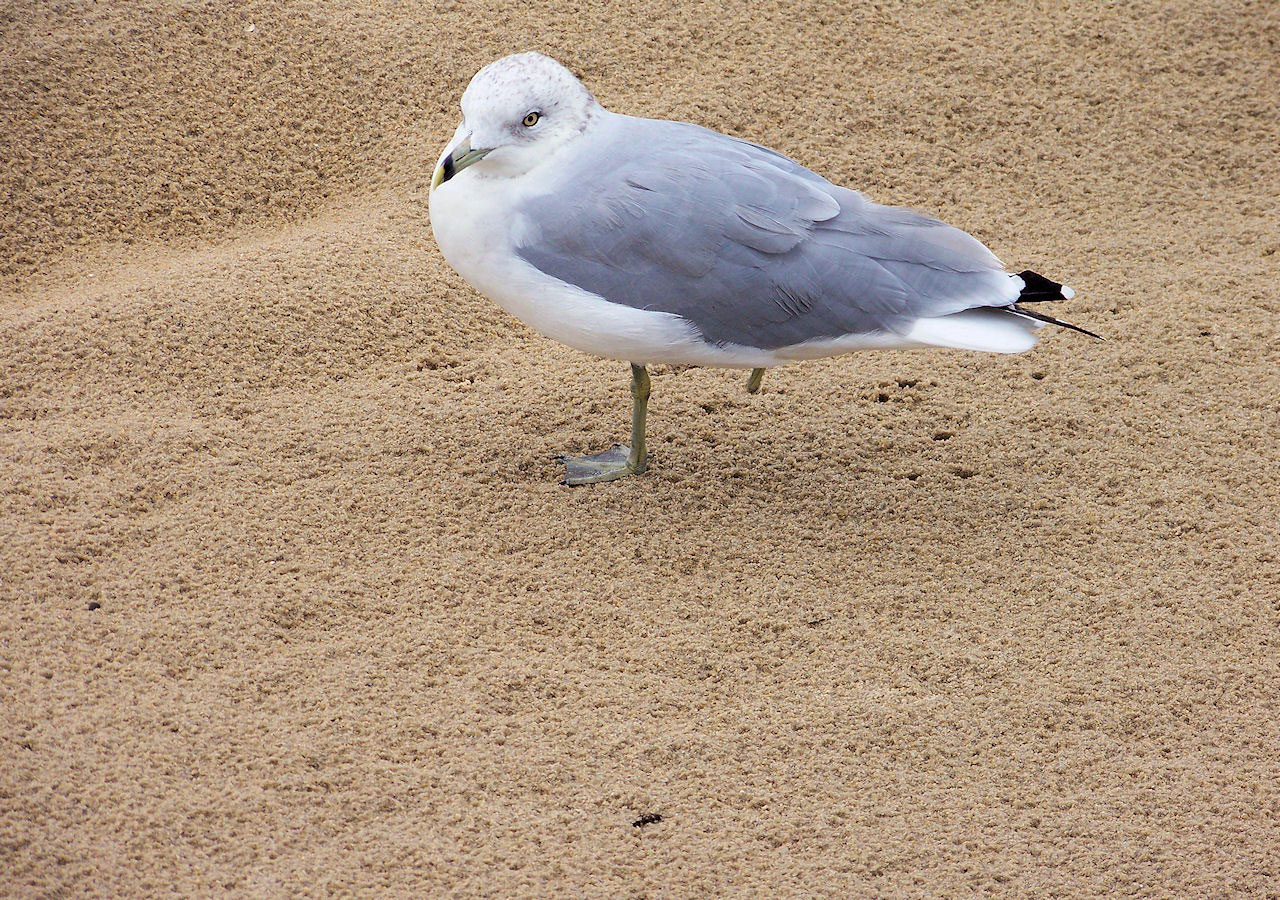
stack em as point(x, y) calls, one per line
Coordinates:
point(516, 112)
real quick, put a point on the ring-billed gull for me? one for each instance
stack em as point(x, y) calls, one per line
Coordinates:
point(652, 241)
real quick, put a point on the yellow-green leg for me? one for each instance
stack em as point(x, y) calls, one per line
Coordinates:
point(619, 461)
point(753, 383)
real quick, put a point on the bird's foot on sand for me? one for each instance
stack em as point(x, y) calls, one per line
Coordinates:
point(606, 466)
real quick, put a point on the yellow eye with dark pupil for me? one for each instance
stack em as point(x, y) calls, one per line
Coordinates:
point(531, 120)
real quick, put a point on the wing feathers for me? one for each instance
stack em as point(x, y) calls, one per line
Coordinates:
point(748, 245)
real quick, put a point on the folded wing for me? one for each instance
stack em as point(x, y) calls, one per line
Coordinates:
point(749, 246)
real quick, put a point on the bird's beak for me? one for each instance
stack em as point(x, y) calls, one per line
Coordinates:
point(455, 159)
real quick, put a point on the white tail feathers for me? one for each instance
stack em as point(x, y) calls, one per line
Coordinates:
point(989, 330)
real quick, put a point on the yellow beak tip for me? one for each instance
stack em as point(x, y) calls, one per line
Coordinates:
point(437, 177)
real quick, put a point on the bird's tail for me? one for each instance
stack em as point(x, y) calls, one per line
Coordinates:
point(1008, 327)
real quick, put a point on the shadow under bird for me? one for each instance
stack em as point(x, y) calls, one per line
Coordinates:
point(652, 242)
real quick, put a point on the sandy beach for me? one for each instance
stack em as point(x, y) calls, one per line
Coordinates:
point(293, 604)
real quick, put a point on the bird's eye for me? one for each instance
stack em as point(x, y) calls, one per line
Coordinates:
point(531, 119)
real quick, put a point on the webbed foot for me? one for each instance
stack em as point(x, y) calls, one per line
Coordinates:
point(606, 466)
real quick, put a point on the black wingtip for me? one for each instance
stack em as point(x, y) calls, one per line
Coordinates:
point(1041, 317)
point(1038, 289)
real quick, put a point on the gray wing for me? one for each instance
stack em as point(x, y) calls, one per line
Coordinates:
point(748, 245)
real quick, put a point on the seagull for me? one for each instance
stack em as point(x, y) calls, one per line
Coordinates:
point(658, 242)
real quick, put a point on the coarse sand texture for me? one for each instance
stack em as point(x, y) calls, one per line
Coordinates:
point(293, 605)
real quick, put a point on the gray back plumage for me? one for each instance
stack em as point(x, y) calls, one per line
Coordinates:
point(748, 245)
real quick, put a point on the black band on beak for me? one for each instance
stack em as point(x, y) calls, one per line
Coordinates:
point(455, 162)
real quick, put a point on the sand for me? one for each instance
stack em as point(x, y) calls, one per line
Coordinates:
point(294, 605)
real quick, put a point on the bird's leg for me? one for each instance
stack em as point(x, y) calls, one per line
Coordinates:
point(753, 383)
point(620, 461)
point(638, 458)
